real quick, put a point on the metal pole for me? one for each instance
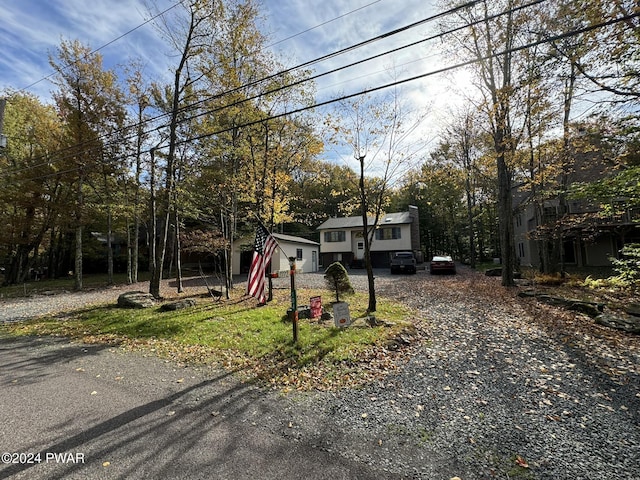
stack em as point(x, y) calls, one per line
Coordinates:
point(294, 298)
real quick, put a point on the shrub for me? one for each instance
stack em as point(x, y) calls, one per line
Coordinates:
point(628, 266)
point(337, 279)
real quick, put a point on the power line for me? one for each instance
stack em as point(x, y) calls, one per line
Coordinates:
point(407, 80)
point(424, 75)
point(322, 24)
point(421, 76)
point(292, 69)
point(106, 44)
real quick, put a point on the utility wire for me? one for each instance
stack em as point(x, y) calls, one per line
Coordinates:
point(410, 79)
point(292, 69)
point(421, 76)
point(322, 24)
point(106, 44)
point(407, 80)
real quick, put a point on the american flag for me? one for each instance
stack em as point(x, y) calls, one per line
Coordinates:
point(263, 250)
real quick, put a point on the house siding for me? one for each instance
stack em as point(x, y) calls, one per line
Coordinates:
point(309, 262)
point(351, 250)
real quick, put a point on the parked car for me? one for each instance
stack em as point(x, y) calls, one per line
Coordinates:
point(403, 262)
point(442, 263)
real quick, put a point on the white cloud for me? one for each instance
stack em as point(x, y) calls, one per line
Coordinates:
point(30, 30)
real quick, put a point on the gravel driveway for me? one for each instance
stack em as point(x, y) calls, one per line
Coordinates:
point(504, 388)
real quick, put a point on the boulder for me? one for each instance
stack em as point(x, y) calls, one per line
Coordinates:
point(178, 305)
point(592, 309)
point(497, 272)
point(620, 321)
point(632, 309)
point(136, 299)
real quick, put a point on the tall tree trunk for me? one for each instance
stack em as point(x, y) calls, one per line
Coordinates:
point(79, 219)
point(178, 251)
point(373, 304)
point(471, 223)
point(109, 246)
point(129, 256)
point(178, 89)
point(505, 221)
point(156, 276)
point(136, 217)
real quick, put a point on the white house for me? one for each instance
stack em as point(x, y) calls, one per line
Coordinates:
point(306, 253)
point(341, 239)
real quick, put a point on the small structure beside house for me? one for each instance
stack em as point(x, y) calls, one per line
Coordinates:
point(341, 239)
point(305, 251)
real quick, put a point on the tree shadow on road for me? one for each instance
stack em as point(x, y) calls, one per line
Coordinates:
point(27, 359)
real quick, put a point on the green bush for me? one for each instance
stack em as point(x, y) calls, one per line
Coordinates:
point(337, 279)
point(628, 267)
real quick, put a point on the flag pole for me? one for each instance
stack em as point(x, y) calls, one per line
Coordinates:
point(274, 238)
point(292, 274)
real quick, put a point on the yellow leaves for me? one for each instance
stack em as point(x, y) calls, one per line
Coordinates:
point(521, 462)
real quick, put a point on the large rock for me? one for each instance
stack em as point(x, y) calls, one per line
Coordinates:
point(497, 272)
point(632, 309)
point(620, 321)
point(136, 299)
point(592, 309)
point(178, 305)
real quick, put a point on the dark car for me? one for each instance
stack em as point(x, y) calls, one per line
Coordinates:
point(403, 262)
point(442, 263)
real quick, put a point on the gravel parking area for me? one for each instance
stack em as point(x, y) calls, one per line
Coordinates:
point(503, 388)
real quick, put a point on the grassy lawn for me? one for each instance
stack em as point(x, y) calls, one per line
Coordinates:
point(256, 341)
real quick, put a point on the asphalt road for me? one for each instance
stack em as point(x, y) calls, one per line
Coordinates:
point(73, 411)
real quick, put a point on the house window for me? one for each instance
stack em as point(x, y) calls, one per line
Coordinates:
point(298, 254)
point(521, 250)
point(389, 233)
point(337, 236)
point(550, 213)
point(360, 245)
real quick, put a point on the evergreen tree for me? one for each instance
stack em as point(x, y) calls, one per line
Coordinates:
point(337, 279)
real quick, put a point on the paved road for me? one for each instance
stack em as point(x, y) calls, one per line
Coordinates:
point(502, 381)
point(92, 412)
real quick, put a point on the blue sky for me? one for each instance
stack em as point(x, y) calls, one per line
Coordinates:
point(302, 30)
point(30, 30)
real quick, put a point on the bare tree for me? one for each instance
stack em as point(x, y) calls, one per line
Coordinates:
point(190, 38)
point(383, 137)
point(494, 30)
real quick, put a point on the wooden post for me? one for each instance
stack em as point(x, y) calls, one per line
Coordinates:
point(294, 298)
